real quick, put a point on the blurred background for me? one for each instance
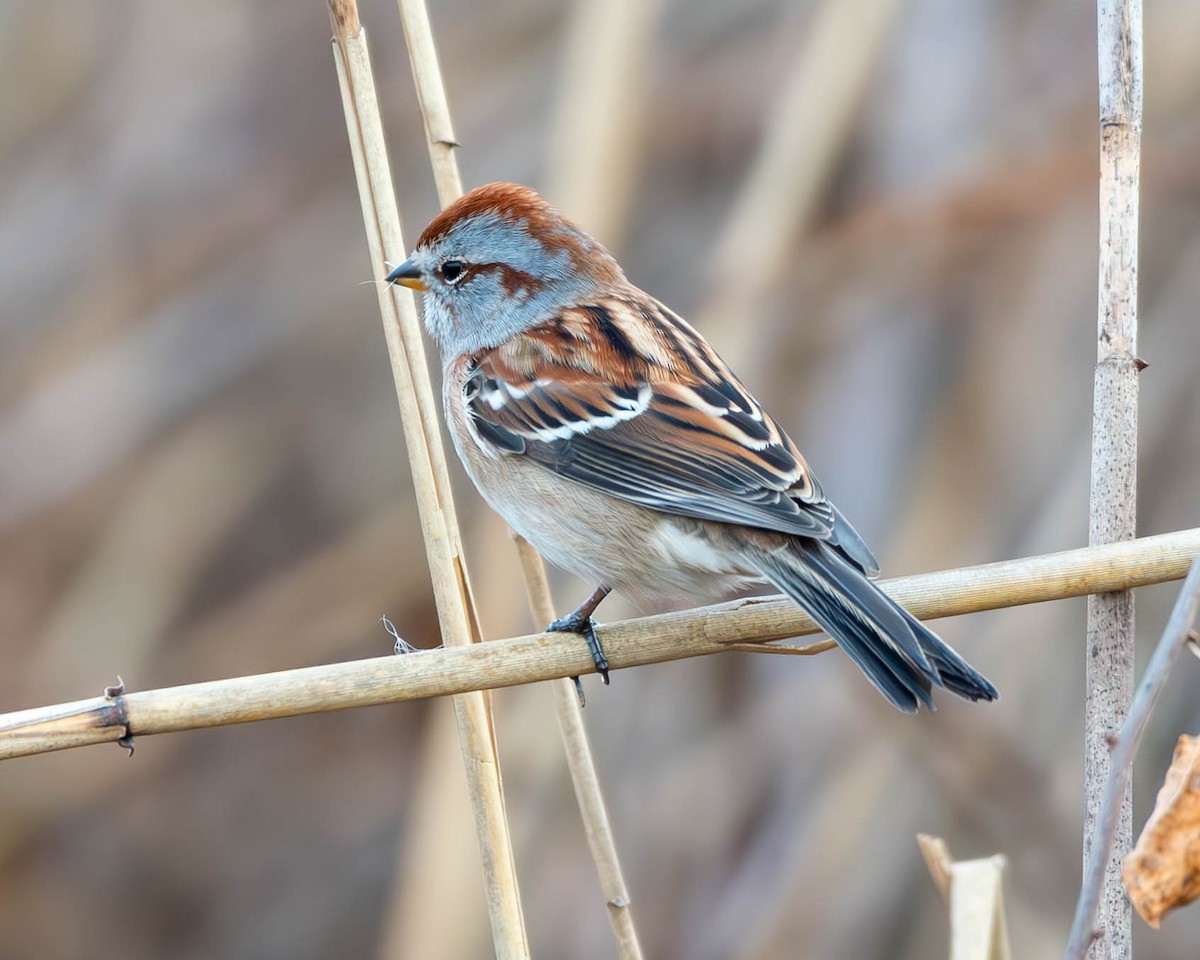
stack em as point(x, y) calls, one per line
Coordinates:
point(882, 213)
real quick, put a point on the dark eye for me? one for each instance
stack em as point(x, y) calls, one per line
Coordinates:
point(453, 270)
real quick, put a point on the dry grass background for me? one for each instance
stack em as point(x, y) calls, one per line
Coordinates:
point(201, 472)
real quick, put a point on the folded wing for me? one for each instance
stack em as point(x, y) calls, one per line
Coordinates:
point(648, 413)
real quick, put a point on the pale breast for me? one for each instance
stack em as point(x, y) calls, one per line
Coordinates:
point(653, 558)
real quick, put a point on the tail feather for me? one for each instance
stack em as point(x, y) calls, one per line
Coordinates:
point(902, 657)
point(957, 675)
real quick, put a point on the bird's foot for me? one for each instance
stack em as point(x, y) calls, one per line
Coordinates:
point(585, 626)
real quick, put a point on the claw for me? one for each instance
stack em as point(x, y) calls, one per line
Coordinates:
point(581, 622)
point(585, 627)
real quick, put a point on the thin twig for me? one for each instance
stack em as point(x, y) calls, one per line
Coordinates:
point(786, 649)
point(439, 130)
point(430, 478)
point(1124, 745)
point(1113, 509)
point(548, 656)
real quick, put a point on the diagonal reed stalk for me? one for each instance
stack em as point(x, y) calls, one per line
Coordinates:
point(430, 479)
point(435, 109)
point(1176, 635)
point(547, 656)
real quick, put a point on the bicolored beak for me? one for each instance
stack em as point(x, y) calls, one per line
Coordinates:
point(407, 275)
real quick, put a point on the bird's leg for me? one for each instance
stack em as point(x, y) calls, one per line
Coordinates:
point(580, 621)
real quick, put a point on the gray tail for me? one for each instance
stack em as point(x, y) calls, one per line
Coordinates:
point(899, 654)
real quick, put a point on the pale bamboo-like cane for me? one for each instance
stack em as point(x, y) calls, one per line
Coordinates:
point(973, 890)
point(584, 777)
point(547, 656)
point(1113, 508)
point(430, 479)
point(431, 94)
point(1176, 636)
point(439, 130)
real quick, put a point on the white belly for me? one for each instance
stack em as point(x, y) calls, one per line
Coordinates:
point(654, 559)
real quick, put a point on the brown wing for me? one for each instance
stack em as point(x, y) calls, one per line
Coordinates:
point(647, 412)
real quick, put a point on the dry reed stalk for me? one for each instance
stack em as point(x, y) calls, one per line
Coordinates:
point(417, 924)
point(430, 478)
point(974, 892)
point(431, 94)
point(1177, 634)
point(548, 656)
point(584, 777)
point(435, 109)
point(1113, 508)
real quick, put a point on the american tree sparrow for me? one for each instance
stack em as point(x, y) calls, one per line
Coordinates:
point(610, 435)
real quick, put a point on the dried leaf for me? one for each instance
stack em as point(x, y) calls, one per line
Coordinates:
point(1163, 871)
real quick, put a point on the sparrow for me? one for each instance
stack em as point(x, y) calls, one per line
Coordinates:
point(608, 433)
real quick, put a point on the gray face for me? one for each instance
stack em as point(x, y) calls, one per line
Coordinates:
point(489, 280)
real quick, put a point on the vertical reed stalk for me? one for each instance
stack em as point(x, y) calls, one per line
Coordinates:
point(430, 479)
point(431, 92)
point(1125, 742)
point(435, 109)
point(1110, 628)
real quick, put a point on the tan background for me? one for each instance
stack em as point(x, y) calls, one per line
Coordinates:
point(201, 471)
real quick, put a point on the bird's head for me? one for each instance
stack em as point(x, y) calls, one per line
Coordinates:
point(498, 261)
